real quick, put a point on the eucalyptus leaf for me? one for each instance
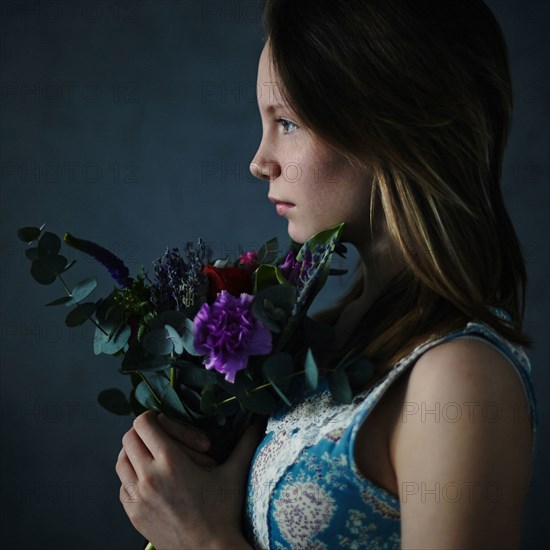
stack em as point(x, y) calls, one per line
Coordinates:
point(145, 398)
point(99, 338)
point(194, 375)
point(175, 338)
point(171, 404)
point(45, 270)
point(187, 339)
point(209, 399)
point(48, 245)
point(259, 401)
point(82, 290)
point(117, 340)
point(80, 314)
point(28, 234)
point(137, 359)
point(158, 342)
point(31, 253)
point(274, 304)
point(359, 371)
point(175, 319)
point(278, 369)
point(114, 401)
point(339, 386)
point(311, 371)
point(59, 301)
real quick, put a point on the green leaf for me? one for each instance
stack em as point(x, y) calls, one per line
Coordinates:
point(175, 338)
point(194, 375)
point(158, 342)
point(266, 276)
point(82, 290)
point(274, 304)
point(145, 397)
point(80, 314)
point(260, 401)
point(99, 339)
point(188, 339)
point(268, 252)
point(277, 369)
point(175, 319)
point(45, 270)
point(359, 371)
point(114, 401)
point(323, 237)
point(311, 371)
point(59, 301)
point(48, 245)
point(209, 398)
point(28, 234)
point(31, 254)
point(117, 340)
point(137, 359)
point(171, 405)
point(339, 386)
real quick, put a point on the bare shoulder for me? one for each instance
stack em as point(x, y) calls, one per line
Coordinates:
point(461, 449)
point(466, 367)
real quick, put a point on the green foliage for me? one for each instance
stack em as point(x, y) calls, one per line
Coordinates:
point(268, 252)
point(157, 349)
point(273, 305)
point(114, 401)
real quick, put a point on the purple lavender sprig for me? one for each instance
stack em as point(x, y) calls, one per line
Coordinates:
point(180, 284)
point(116, 267)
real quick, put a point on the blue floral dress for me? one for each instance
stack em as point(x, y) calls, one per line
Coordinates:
point(305, 490)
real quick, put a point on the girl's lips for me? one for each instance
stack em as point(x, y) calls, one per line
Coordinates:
point(281, 206)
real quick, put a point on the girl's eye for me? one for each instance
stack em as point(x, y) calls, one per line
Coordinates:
point(284, 123)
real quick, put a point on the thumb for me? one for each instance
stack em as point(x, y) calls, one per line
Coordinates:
point(241, 456)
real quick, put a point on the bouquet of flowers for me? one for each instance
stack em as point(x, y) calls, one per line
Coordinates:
point(206, 342)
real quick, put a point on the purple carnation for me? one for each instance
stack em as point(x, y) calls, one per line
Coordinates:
point(227, 333)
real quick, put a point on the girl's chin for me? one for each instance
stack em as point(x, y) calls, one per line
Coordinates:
point(300, 234)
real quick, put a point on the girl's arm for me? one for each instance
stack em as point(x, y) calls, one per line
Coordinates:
point(463, 459)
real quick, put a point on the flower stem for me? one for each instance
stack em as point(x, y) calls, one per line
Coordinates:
point(150, 388)
point(64, 284)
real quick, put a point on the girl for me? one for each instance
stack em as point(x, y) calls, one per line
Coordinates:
point(393, 117)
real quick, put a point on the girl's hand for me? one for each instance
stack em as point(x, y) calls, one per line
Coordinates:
point(193, 442)
point(173, 501)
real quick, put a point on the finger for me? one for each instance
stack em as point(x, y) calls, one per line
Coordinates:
point(126, 473)
point(137, 452)
point(184, 433)
point(240, 458)
point(158, 443)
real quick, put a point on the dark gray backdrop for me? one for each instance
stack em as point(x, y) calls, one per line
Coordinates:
point(133, 124)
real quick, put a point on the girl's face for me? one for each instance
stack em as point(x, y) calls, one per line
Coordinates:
point(312, 186)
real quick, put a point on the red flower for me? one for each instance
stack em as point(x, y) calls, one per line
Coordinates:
point(235, 280)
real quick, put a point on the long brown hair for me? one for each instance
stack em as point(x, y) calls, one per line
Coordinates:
point(419, 96)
